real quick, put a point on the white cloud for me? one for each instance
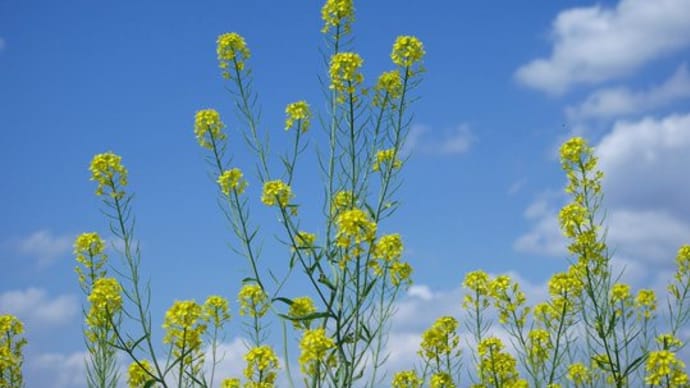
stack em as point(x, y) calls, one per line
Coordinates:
point(37, 309)
point(594, 44)
point(450, 142)
point(45, 247)
point(621, 101)
point(420, 291)
point(57, 370)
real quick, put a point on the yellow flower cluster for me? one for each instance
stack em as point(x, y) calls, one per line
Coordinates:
point(262, 364)
point(478, 283)
point(345, 74)
point(400, 273)
point(184, 326)
point(664, 369)
point(668, 341)
point(388, 88)
point(216, 310)
point(89, 250)
point(342, 200)
point(231, 49)
point(683, 259)
point(386, 158)
point(276, 191)
point(107, 170)
point(106, 302)
point(298, 111)
point(232, 181)
point(496, 367)
point(621, 298)
point(11, 357)
point(354, 227)
point(509, 300)
point(231, 382)
point(407, 51)
point(440, 339)
point(579, 374)
point(539, 346)
point(338, 14)
point(389, 250)
point(208, 128)
point(388, 247)
point(139, 373)
point(315, 348)
point(645, 302)
point(253, 300)
point(406, 379)
point(442, 380)
point(300, 308)
point(572, 217)
point(305, 240)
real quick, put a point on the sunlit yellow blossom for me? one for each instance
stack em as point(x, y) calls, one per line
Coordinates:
point(106, 302)
point(216, 310)
point(276, 191)
point(300, 308)
point(572, 218)
point(232, 382)
point(232, 53)
point(540, 346)
point(406, 379)
point(139, 373)
point(407, 50)
point(89, 251)
point(478, 283)
point(298, 111)
point(388, 247)
point(262, 366)
point(304, 240)
point(645, 302)
point(385, 158)
point(683, 260)
point(208, 128)
point(342, 200)
point(388, 88)
point(354, 226)
point(509, 300)
point(345, 74)
point(565, 284)
point(316, 353)
point(442, 380)
point(11, 354)
point(579, 374)
point(496, 367)
point(400, 273)
point(184, 326)
point(232, 180)
point(107, 170)
point(338, 14)
point(572, 150)
point(663, 366)
point(440, 339)
point(253, 300)
point(668, 341)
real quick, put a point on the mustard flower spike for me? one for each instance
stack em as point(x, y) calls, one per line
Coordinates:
point(232, 181)
point(388, 88)
point(262, 364)
point(301, 307)
point(232, 53)
point(338, 14)
point(407, 51)
point(441, 380)
point(315, 350)
point(107, 170)
point(662, 367)
point(276, 192)
point(139, 373)
point(208, 128)
point(579, 374)
point(683, 260)
point(386, 158)
point(345, 74)
point(106, 302)
point(406, 379)
point(216, 310)
point(298, 112)
point(253, 300)
point(232, 382)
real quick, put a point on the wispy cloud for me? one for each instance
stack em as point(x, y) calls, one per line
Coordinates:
point(44, 246)
point(38, 309)
point(621, 101)
point(453, 141)
point(597, 43)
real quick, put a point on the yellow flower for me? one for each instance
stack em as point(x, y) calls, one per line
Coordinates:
point(11, 357)
point(139, 374)
point(233, 382)
point(509, 300)
point(300, 308)
point(345, 74)
point(106, 302)
point(406, 379)
point(298, 111)
point(407, 50)
point(262, 364)
point(683, 260)
point(540, 346)
point(442, 380)
point(440, 339)
point(662, 366)
point(276, 191)
point(645, 302)
point(478, 283)
point(208, 128)
point(565, 284)
point(386, 158)
point(184, 327)
point(388, 88)
point(253, 300)
point(342, 200)
point(579, 374)
point(669, 342)
point(107, 170)
point(305, 240)
point(89, 251)
point(572, 150)
point(400, 273)
point(388, 247)
point(215, 309)
point(232, 180)
point(315, 348)
point(231, 50)
point(338, 14)
point(572, 218)
point(354, 226)
point(496, 367)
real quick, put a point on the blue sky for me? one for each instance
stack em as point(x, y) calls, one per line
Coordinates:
point(505, 85)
